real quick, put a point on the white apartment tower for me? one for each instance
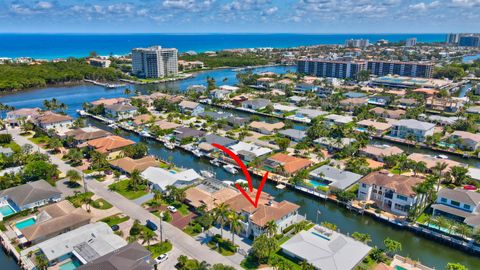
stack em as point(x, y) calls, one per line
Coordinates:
point(154, 62)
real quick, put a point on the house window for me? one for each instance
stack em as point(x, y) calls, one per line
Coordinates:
point(466, 206)
point(402, 198)
point(455, 203)
point(364, 185)
point(443, 200)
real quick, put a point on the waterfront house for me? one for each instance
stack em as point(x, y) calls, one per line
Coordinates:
point(238, 100)
point(215, 116)
point(130, 257)
point(333, 144)
point(221, 140)
point(379, 152)
point(407, 103)
point(209, 194)
point(431, 161)
point(185, 133)
point(391, 192)
point(426, 91)
point(335, 119)
point(237, 121)
point(293, 134)
point(191, 107)
point(256, 104)
point(326, 249)
point(53, 220)
point(305, 87)
point(110, 101)
point(284, 84)
point(281, 109)
point(83, 244)
point(30, 195)
point(443, 104)
point(405, 127)
point(458, 204)
point(229, 88)
point(333, 178)
point(143, 119)
point(297, 99)
point(197, 88)
point(286, 165)
point(165, 125)
point(265, 82)
point(81, 135)
point(379, 128)
point(159, 179)
point(128, 165)
point(385, 113)
point(282, 213)
point(379, 100)
point(219, 94)
point(466, 140)
point(310, 114)
point(16, 117)
point(111, 146)
point(351, 103)
point(120, 111)
point(266, 128)
point(248, 152)
point(50, 120)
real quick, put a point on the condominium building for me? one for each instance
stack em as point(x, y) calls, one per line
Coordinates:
point(469, 41)
point(330, 68)
point(154, 62)
point(452, 38)
point(357, 43)
point(411, 42)
point(410, 69)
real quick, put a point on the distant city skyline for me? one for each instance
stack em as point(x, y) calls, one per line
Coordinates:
point(239, 16)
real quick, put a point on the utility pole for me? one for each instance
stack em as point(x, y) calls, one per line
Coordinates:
point(161, 227)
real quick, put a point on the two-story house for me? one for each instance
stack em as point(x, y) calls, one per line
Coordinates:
point(405, 127)
point(191, 107)
point(120, 111)
point(458, 204)
point(466, 140)
point(391, 192)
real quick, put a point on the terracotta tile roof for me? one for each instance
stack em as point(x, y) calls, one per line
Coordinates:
point(290, 163)
point(110, 101)
point(109, 143)
point(377, 125)
point(88, 133)
point(239, 203)
point(197, 197)
point(142, 119)
point(267, 126)
point(401, 184)
point(381, 150)
point(431, 161)
point(276, 211)
point(166, 125)
point(426, 91)
point(129, 165)
point(51, 117)
point(188, 104)
point(467, 135)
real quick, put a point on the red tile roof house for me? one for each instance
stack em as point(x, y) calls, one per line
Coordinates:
point(50, 120)
point(285, 164)
point(112, 146)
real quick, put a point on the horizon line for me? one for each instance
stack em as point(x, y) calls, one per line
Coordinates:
point(227, 33)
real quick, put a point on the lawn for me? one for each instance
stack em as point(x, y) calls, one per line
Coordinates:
point(101, 204)
point(12, 145)
point(114, 220)
point(182, 208)
point(39, 140)
point(123, 188)
point(224, 247)
point(160, 248)
point(78, 199)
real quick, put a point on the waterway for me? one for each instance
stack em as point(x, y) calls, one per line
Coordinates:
point(427, 251)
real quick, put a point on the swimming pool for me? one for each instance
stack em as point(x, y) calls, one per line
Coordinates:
point(398, 267)
point(316, 184)
point(6, 210)
point(321, 236)
point(71, 265)
point(25, 223)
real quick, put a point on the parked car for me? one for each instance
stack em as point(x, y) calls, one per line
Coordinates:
point(151, 225)
point(172, 209)
point(115, 228)
point(161, 258)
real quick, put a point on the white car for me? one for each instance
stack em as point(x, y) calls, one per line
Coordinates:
point(161, 258)
point(172, 209)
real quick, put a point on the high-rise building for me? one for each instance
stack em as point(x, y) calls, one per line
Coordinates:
point(469, 41)
point(330, 68)
point(357, 43)
point(452, 39)
point(411, 42)
point(409, 69)
point(154, 62)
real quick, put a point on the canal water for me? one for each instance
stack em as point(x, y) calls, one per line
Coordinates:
point(427, 251)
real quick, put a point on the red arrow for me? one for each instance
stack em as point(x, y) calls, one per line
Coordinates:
point(247, 176)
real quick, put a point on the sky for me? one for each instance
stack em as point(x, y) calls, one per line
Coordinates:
point(239, 16)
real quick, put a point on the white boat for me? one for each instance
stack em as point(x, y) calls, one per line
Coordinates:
point(169, 145)
point(113, 126)
point(215, 162)
point(230, 183)
point(145, 133)
point(197, 153)
point(81, 112)
point(241, 181)
point(207, 174)
point(441, 156)
point(230, 168)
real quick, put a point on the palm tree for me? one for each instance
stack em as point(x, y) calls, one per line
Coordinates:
point(135, 179)
point(438, 170)
point(235, 225)
point(304, 265)
point(464, 230)
point(73, 176)
point(271, 228)
point(442, 222)
point(409, 139)
point(41, 262)
point(147, 236)
point(221, 215)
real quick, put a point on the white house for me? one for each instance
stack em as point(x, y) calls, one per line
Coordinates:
point(159, 178)
point(458, 204)
point(191, 107)
point(120, 111)
point(248, 151)
point(391, 192)
point(420, 130)
point(50, 120)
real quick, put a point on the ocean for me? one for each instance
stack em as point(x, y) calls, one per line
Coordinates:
point(49, 46)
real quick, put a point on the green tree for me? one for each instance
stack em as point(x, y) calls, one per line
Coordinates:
point(392, 246)
point(221, 216)
point(455, 266)
point(234, 222)
point(39, 169)
point(73, 176)
point(362, 237)
point(283, 143)
point(136, 151)
point(263, 246)
point(271, 228)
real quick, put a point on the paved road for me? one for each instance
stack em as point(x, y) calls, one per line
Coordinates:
point(182, 242)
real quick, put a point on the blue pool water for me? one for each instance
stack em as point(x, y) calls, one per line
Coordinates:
point(6, 210)
point(316, 184)
point(71, 265)
point(25, 223)
point(321, 236)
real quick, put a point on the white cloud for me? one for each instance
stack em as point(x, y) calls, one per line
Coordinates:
point(44, 5)
point(270, 11)
point(466, 3)
point(424, 6)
